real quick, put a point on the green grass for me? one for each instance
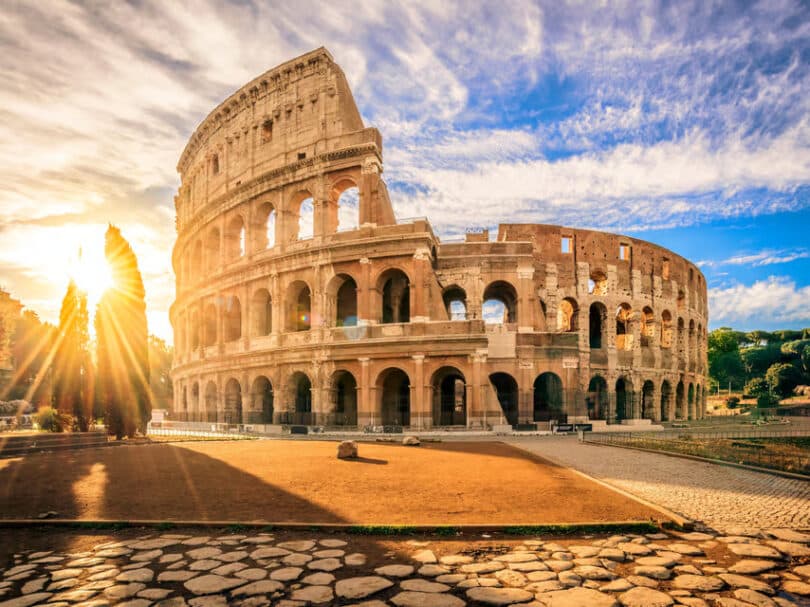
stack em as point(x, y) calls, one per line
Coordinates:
point(595, 528)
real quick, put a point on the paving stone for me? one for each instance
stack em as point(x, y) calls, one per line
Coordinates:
point(136, 575)
point(254, 573)
point(578, 597)
point(528, 566)
point(176, 576)
point(516, 557)
point(793, 549)
point(297, 559)
point(424, 557)
point(753, 597)
point(725, 601)
point(687, 549)
point(170, 558)
point(325, 565)
point(123, 591)
point(232, 557)
point(332, 543)
point(657, 573)
point(450, 578)
point(541, 576)
point(212, 584)
point(425, 586)
point(619, 585)
point(794, 587)
point(691, 569)
point(742, 581)
point(297, 545)
point(313, 594)
point(594, 573)
point(204, 565)
point(803, 571)
point(656, 561)
point(455, 559)
point(634, 549)
point(229, 568)
point(154, 593)
point(642, 580)
point(426, 599)
point(286, 574)
point(395, 570)
point(585, 551)
point(541, 587)
point(217, 600)
point(153, 544)
point(143, 555)
point(755, 551)
point(204, 553)
point(569, 578)
point(703, 583)
point(361, 587)
point(355, 560)
point(176, 601)
point(268, 552)
point(195, 541)
point(263, 539)
point(789, 535)
point(260, 587)
point(111, 553)
point(34, 586)
point(61, 574)
point(614, 554)
point(692, 601)
point(30, 599)
point(63, 584)
point(431, 570)
point(509, 577)
point(645, 597)
point(556, 565)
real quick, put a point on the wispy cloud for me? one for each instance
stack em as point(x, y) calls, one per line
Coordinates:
point(775, 300)
point(762, 258)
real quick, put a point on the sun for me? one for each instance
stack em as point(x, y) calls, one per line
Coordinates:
point(91, 272)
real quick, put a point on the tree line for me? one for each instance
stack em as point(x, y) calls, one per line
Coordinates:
point(75, 382)
point(767, 366)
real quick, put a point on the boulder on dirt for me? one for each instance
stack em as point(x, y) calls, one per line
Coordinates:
point(347, 450)
point(410, 441)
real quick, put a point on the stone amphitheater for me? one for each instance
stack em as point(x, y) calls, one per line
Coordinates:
point(303, 300)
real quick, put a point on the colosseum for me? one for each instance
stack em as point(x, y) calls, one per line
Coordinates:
point(303, 301)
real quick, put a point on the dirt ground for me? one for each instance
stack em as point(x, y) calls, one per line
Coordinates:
point(303, 481)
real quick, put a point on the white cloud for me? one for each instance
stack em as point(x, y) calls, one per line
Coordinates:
point(775, 300)
point(767, 257)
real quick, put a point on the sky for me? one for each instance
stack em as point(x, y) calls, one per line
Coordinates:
point(682, 123)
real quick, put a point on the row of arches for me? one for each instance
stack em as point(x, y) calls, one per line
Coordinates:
point(247, 233)
point(686, 402)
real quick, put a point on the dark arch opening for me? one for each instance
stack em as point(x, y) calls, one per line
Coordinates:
point(506, 389)
point(449, 397)
point(666, 397)
point(346, 304)
point(262, 410)
point(395, 405)
point(597, 399)
point(396, 297)
point(344, 400)
point(597, 318)
point(648, 400)
point(233, 402)
point(548, 398)
point(624, 399)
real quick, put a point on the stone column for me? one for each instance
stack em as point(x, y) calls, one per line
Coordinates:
point(419, 311)
point(365, 407)
point(419, 418)
point(525, 311)
point(364, 292)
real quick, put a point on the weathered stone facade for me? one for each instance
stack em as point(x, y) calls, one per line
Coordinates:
point(379, 322)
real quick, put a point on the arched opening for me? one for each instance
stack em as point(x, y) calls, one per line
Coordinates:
point(299, 307)
point(624, 399)
point(648, 400)
point(449, 397)
point(680, 401)
point(233, 402)
point(506, 389)
point(196, 262)
point(264, 227)
point(597, 399)
point(261, 312)
point(624, 331)
point(346, 302)
point(344, 400)
point(211, 402)
point(597, 284)
point(348, 210)
point(194, 406)
point(235, 246)
point(395, 397)
point(681, 340)
point(548, 398)
point(455, 302)
point(647, 327)
point(500, 303)
point(233, 318)
point(666, 400)
point(195, 330)
point(666, 329)
point(301, 389)
point(212, 245)
point(568, 316)
point(306, 219)
point(681, 302)
point(597, 318)
point(262, 409)
point(396, 297)
point(691, 401)
point(210, 329)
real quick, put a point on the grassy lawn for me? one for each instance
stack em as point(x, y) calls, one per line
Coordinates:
point(787, 454)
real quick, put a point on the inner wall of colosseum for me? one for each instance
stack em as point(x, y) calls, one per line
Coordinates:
point(302, 300)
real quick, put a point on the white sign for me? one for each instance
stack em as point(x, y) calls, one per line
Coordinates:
point(570, 363)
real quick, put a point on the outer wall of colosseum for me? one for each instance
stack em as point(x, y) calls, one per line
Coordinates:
point(300, 304)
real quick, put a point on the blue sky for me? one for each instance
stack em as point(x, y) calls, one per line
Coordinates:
point(683, 123)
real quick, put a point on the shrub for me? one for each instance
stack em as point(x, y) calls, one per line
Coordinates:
point(767, 401)
point(732, 402)
point(783, 377)
point(757, 387)
point(51, 420)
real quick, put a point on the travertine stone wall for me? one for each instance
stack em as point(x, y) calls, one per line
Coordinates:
point(380, 323)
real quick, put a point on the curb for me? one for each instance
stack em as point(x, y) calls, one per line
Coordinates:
point(719, 462)
point(349, 528)
point(680, 521)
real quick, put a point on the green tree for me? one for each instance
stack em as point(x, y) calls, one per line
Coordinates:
point(72, 365)
point(30, 348)
point(160, 365)
point(782, 378)
point(122, 346)
point(725, 363)
point(758, 359)
point(757, 387)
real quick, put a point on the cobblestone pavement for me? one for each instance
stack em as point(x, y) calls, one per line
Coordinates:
point(257, 569)
point(722, 497)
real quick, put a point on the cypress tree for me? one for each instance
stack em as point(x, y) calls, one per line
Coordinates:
point(72, 367)
point(122, 342)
